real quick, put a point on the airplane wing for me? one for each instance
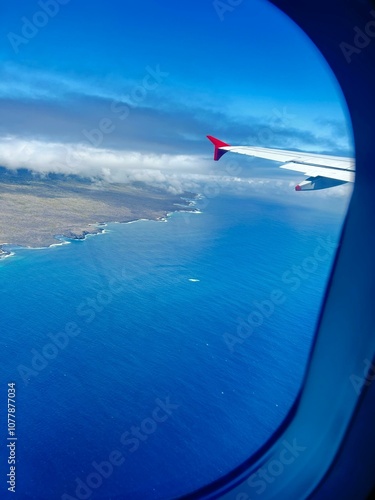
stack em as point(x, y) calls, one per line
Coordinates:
point(322, 171)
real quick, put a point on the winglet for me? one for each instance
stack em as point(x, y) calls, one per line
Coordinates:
point(218, 153)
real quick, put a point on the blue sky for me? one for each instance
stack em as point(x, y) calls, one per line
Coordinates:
point(247, 75)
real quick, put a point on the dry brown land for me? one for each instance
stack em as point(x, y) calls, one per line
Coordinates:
point(33, 212)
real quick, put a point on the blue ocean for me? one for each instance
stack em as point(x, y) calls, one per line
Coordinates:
point(154, 358)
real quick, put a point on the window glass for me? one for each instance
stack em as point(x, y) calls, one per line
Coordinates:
point(158, 307)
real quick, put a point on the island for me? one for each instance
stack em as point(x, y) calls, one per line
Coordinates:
point(36, 209)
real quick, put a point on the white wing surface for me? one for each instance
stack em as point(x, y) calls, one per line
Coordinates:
point(322, 171)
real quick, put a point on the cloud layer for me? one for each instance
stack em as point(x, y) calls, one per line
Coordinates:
point(145, 134)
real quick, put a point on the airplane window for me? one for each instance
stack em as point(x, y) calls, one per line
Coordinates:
point(160, 289)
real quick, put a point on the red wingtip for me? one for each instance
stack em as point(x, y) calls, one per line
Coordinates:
point(298, 188)
point(218, 153)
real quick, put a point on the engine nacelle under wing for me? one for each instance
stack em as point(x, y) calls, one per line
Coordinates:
point(315, 183)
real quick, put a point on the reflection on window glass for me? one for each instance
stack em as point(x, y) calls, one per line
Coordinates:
point(149, 358)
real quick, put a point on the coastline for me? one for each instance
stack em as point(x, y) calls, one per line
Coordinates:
point(98, 228)
point(5, 253)
point(52, 211)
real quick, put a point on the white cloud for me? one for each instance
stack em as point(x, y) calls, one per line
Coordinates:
point(23, 82)
point(176, 173)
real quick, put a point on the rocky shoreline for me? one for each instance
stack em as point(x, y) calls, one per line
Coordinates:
point(3, 253)
point(38, 213)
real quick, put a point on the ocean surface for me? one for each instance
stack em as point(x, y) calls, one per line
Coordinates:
point(154, 358)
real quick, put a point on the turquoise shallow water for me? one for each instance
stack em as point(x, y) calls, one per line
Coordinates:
point(126, 347)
